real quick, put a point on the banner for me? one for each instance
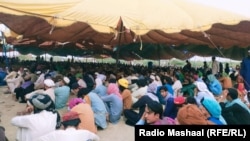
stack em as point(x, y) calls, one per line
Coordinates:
point(198, 132)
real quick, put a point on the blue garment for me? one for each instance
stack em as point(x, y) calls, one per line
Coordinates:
point(61, 96)
point(101, 90)
point(158, 93)
point(2, 76)
point(214, 85)
point(215, 121)
point(170, 108)
point(167, 97)
point(238, 101)
point(115, 107)
point(245, 72)
point(141, 122)
point(212, 106)
point(99, 110)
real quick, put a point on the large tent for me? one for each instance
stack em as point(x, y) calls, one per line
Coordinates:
point(97, 27)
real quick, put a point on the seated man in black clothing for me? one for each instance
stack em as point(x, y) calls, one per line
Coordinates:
point(234, 110)
point(132, 117)
point(26, 87)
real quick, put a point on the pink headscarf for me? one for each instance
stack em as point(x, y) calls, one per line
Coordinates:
point(113, 89)
point(74, 101)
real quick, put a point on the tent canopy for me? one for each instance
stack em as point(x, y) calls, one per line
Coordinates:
point(97, 25)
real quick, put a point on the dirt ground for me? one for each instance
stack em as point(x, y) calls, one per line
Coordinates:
point(9, 108)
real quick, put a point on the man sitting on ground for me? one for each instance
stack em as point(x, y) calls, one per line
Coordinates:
point(70, 132)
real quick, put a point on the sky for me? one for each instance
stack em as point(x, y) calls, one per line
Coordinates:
point(4, 29)
point(238, 6)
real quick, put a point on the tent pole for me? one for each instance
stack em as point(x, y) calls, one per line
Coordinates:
point(45, 56)
point(119, 43)
point(5, 55)
point(158, 52)
point(5, 49)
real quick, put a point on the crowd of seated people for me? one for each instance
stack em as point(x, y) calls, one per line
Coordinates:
point(141, 95)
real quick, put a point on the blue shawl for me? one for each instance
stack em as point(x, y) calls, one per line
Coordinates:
point(237, 101)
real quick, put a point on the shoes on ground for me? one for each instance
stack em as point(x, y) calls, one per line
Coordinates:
point(22, 101)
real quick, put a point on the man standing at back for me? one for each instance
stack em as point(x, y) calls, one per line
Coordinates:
point(215, 66)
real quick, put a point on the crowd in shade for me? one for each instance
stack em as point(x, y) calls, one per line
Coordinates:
point(74, 100)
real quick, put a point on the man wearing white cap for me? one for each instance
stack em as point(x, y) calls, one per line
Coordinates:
point(49, 89)
point(245, 70)
point(38, 118)
point(62, 93)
